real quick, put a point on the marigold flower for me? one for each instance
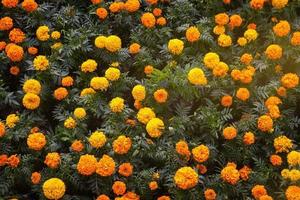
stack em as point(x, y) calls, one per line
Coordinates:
point(29, 5)
point(155, 127)
point(54, 188)
point(229, 133)
point(6, 23)
point(119, 187)
point(265, 123)
point(192, 34)
point(116, 105)
point(35, 178)
point(16, 35)
point(224, 40)
point(160, 95)
point(164, 198)
point(292, 192)
point(235, 21)
point(2, 129)
point(13, 161)
point(200, 153)
point(113, 43)
point(32, 86)
point(12, 120)
point(157, 12)
point(148, 20)
point(42, 33)
point(87, 165)
point(125, 169)
point(79, 113)
point(112, 74)
point(282, 28)
point(99, 83)
point(87, 91)
point(243, 94)
point(77, 146)
point(186, 178)
point(293, 158)
point(196, 76)
point(210, 194)
point(175, 46)
point(248, 138)
point(60, 93)
point(10, 3)
point(103, 197)
point(258, 191)
point(211, 60)
point(101, 13)
point(182, 148)
point(245, 172)
point(100, 41)
point(161, 21)
point(67, 81)
point(122, 144)
point(153, 185)
point(290, 80)
point(70, 123)
point(275, 160)
point(220, 70)
point(282, 144)
point(41, 63)
point(31, 101)
point(219, 29)
point(138, 92)
point(230, 174)
point(242, 41)
point(250, 34)
point(97, 139)
point(14, 52)
point(295, 39)
point(279, 4)
point(148, 69)
point(52, 160)
point(274, 52)
point(105, 166)
point(36, 141)
point(132, 5)
point(145, 114)
point(221, 19)
point(226, 101)
point(89, 65)
point(257, 4)
point(134, 48)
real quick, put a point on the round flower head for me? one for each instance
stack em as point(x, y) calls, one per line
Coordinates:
point(175, 46)
point(54, 188)
point(186, 178)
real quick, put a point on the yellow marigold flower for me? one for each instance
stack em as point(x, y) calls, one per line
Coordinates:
point(55, 35)
point(275, 160)
point(60, 93)
point(57, 45)
point(77, 146)
point(285, 173)
point(248, 138)
point(138, 92)
point(122, 144)
point(292, 192)
point(154, 127)
point(145, 114)
point(282, 144)
point(278, 4)
point(105, 166)
point(258, 191)
point(70, 123)
point(220, 70)
point(112, 74)
point(265, 123)
point(210, 194)
point(2, 130)
point(200, 153)
point(12, 120)
point(99, 83)
point(42, 33)
point(35, 178)
point(243, 94)
point(52, 160)
point(294, 175)
point(295, 40)
point(86, 165)
point(186, 178)
point(196, 76)
point(175, 46)
point(134, 48)
point(54, 188)
point(211, 60)
point(148, 20)
point(219, 29)
point(132, 5)
point(116, 7)
point(125, 169)
point(79, 113)
point(221, 19)
point(41, 63)
point(230, 174)
point(224, 40)
point(36, 141)
point(119, 187)
point(31, 101)
point(274, 52)
point(192, 34)
point(250, 34)
point(290, 80)
point(87, 91)
point(116, 104)
point(100, 41)
point(89, 65)
point(282, 28)
point(229, 133)
point(97, 139)
point(293, 158)
point(242, 41)
point(32, 86)
point(160, 95)
point(257, 4)
point(182, 148)
point(113, 43)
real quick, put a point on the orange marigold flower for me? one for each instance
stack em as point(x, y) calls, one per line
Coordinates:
point(60, 93)
point(257, 4)
point(105, 166)
point(235, 21)
point(29, 5)
point(148, 69)
point(273, 100)
point(229, 133)
point(160, 95)
point(245, 172)
point(275, 160)
point(134, 48)
point(13, 161)
point(125, 169)
point(103, 197)
point(115, 7)
point(101, 13)
point(201, 168)
point(182, 148)
point(86, 165)
point(52, 160)
point(14, 52)
point(161, 21)
point(295, 40)
point(96, 1)
point(186, 178)
point(281, 91)
point(210, 194)
point(251, 26)
point(16, 35)
point(152, 2)
point(290, 80)
point(226, 101)
point(67, 81)
point(35, 177)
point(2, 129)
point(2, 45)
point(248, 138)
point(10, 3)
point(32, 50)
point(192, 34)
point(282, 28)
point(230, 174)
point(3, 160)
point(274, 52)
point(153, 185)
point(221, 19)
point(282, 144)
point(157, 12)
point(132, 5)
point(77, 146)
point(119, 187)
point(6, 23)
point(246, 58)
point(36, 141)
point(14, 70)
point(164, 198)
point(200, 153)
point(122, 144)
point(148, 20)
point(265, 123)
point(258, 191)
point(243, 94)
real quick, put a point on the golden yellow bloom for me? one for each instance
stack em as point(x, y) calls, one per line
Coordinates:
point(36, 141)
point(87, 91)
point(293, 158)
point(282, 28)
point(154, 127)
point(105, 166)
point(285, 173)
point(211, 60)
point(224, 40)
point(97, 139)
point(79, 113)
point(196, 76)
point(278, 4)
point(89, 65)
point(175, 46)
point(230, 174)
point(122, 144)
point(282, 144)
point(200, 153)
point(31, 101)
point(100, 41)
point(54, 188)
point(55, 35)
point(294, 175)
point(250, 34)
point(70, 123)
point(242, 41)
point(113, 43)
point(32, 86)
point(52, 160)
point(57, 45)
point(11, 120)
point(145, 114)
point(290, 80)
point(220, 70)
point(292, 192)
point(186, 178)
point(138, 92)
point(86, 165)
point(295, 40)
point(192, 34)
point(99, 83)
point(265, 123)
point(42, 33)
point(116, 104)
point(41, 63)
point(112, 74)
point(274, 52)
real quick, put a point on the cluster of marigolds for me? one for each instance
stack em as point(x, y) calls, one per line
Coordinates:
point(186, 177)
